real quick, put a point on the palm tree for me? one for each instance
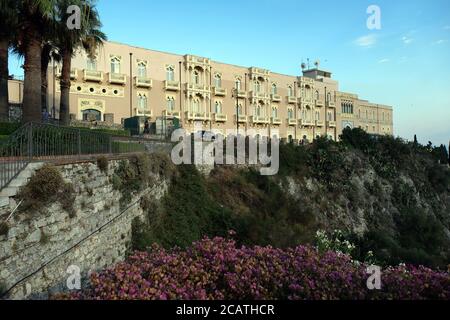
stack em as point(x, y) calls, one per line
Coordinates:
point(8, 29)
point(36, 17)
point(88, 37)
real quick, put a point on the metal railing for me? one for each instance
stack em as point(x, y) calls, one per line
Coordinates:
point(40, 142)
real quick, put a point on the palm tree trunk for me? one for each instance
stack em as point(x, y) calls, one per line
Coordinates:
point(45, 60)
point(4, 73)
point(64, 108)
point(32, 110)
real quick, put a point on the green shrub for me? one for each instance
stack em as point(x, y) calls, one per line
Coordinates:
point(7, 128)
point(45, 187)
point(4, 228)
point(102, 163)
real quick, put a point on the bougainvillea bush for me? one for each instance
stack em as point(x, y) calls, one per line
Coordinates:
point(218, 269)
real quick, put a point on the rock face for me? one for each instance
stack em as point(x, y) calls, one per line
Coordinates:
point(40, 247)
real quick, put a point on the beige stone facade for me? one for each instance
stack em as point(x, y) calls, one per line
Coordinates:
point(125, 81)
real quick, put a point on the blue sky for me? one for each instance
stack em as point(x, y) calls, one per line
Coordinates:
point(406, 64)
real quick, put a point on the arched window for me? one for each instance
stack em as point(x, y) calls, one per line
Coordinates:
point(274, 112)
point(218, 107)
point(91, 64)
point(290, 92)
point(196, 105)
point(274, 88)
point(218, 80)
point(170, 73)
point(142, 69)
point(115, 65)
point(329, 97)
point(196, 77)
point(257, 86)
point(142, 101)
point(330, 116)
point(238, 84)
point(240, 109)
point(317, 95)
point(290, 114)
point(258, 110)
point(170, 104)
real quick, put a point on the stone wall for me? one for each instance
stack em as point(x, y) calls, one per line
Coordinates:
point(41, 246)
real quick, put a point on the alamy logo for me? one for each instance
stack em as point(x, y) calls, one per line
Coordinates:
point(74, 20)
point(74, 280)
point(374, 20)
point(374, 281)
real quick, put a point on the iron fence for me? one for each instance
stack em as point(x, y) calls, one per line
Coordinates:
point(40, 142)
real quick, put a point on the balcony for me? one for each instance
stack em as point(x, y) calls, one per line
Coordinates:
point(143, 82)
point(198, 87)
point(320, 103)
point(197, 116)
point(305, 100)
point(331, 104)
point(220, 91)
point(258, 95)
point(172, 114)
point(319, 123)
point(307, 123)
point(219, 117)
point(259, 120)
point(276, 121)
point(143, 112)
point(242, 94)
point(171, 85)
point(292, 122)
point(73, 73)
point(92, 75)
point(275, 97)
point(292, 99)
point(241, 118)
point(331, 124)
point(117, 78)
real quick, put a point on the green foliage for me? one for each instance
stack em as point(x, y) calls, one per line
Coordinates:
point(7, 128)
point(102, 163)
point(45, 187)
point(114, 132)
point(4, 228)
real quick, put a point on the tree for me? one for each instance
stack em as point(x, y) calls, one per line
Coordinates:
point(36, 17)
point(8, 30)
point(88, 37)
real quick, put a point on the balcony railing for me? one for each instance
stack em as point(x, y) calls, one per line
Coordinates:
point(92, 75)
point(203, 116)
point(259, 120)
point(276, 121)
point(291, 99)
point(306, 123)
point(143, 112)
point(331, 124)
point(258, 95)
point(305, 100)
point(171, 85)
point(117, 78)
point(198, 87)
point(220, 91)
point(275, 97)
point(292, 122)
point(241, 118)
point(242, 94)
point(319, 123)
point(331, 104)
point(172, 114)
point(219, 117)
point(73, 73)
point(320, 103)
point(143, 82)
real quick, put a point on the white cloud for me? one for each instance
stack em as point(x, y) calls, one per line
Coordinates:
point(441, 41)
point(384, 60)
point(366, 41)
point(407, 40)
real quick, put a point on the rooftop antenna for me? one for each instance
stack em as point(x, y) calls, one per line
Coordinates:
point(308, 63)
point(303, 66)
point(317, 63)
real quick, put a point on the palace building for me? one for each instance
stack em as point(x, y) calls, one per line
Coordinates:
point(125, 81)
